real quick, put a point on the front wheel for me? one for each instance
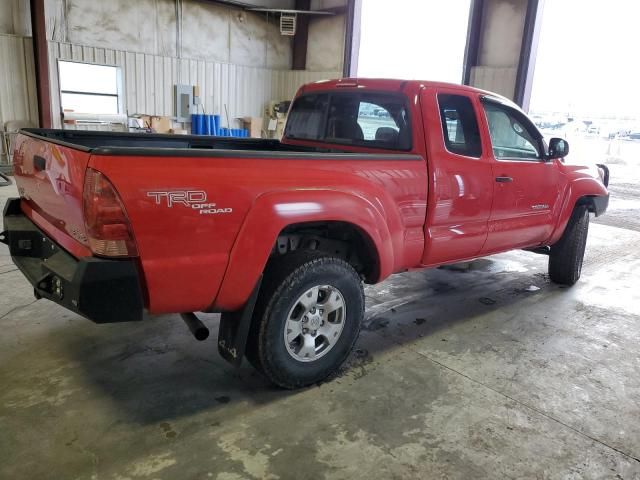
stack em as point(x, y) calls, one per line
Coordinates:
point(307, 318)
point(566, 256)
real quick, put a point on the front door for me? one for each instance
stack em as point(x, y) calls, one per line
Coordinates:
point(459, 202)
point(527, 189)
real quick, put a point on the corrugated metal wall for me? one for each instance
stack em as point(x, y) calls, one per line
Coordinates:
point(17, 82)
point(148, 81)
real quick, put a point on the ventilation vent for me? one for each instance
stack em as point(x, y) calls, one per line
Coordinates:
point(288, 24)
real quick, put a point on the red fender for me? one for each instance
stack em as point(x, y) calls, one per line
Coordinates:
point(576, 189)
point(274, 211)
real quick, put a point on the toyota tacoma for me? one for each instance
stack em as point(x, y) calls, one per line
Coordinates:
point(371, 177)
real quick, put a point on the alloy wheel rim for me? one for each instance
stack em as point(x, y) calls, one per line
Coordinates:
point(314, 323)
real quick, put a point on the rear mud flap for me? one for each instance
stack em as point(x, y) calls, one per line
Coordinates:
point(234, 330)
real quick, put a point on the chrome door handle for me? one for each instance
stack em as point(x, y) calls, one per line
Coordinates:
point(504, 179)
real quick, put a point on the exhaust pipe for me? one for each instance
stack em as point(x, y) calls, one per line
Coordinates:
point(198, 329)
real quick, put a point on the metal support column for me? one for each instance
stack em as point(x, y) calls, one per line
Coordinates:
point(41, 59)
point(301, 38)
point(502, 71)
point(528, 53)
point(352, 38)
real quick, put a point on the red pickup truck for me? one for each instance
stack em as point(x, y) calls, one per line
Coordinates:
point(372, 177)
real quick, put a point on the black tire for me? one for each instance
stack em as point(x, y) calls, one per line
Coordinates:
point(286, 279)
point(566, 256)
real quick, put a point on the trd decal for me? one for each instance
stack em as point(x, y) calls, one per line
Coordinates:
point(194, 199)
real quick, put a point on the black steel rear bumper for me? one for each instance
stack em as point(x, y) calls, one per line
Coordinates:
point(102, 290)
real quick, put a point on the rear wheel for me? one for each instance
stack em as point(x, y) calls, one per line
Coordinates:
point(307, 318)
point(566, 256)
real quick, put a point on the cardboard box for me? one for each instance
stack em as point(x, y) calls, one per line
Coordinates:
point(158, 124)
point(161, 124)
point(254, 125)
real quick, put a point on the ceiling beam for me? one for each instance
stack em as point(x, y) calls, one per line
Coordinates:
point(297, 10)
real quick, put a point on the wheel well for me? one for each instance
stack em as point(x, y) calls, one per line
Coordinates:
point(340, 239)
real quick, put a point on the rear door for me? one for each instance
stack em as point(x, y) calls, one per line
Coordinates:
point(459, 202)
point(527, 188)
point(50, 179)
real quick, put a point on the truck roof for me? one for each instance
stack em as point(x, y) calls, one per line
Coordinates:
point(394, 84)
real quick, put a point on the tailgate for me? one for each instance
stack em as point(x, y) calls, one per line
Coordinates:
point(50, 179)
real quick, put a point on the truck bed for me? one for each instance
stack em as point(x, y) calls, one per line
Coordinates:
point(159, 144)
point(164, 145)
point(236, 186)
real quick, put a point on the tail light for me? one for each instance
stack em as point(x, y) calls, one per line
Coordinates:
point(108, 228)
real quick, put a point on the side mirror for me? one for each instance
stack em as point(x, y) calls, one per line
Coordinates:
point(558, 148)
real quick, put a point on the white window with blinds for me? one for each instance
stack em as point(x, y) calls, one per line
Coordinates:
point(90, 88)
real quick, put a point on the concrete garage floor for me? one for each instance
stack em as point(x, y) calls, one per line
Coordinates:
point(459, 373)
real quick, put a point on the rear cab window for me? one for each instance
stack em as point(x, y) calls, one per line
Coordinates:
point(374, 120)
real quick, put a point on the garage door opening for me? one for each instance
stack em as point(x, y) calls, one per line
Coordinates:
point(413, 40)
point(584, 90)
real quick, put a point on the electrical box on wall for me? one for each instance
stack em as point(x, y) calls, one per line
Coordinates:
point(183, 102)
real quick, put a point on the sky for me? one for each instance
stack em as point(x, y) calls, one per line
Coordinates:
point(588, 57)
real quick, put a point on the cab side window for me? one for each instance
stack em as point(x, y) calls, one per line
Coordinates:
point(512, 136)
point(459, 125)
